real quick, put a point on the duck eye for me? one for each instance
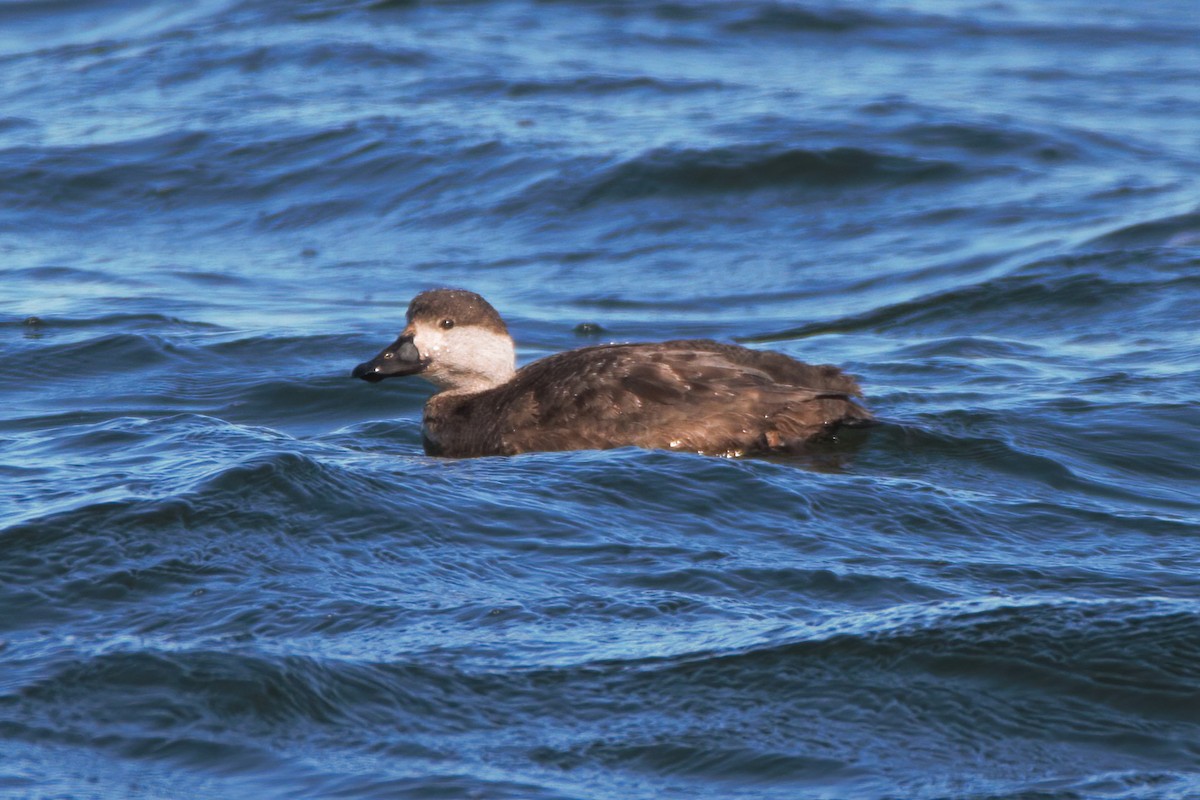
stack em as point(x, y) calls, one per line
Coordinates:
point(447, 324)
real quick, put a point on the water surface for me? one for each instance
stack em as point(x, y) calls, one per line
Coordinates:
point(228, 570)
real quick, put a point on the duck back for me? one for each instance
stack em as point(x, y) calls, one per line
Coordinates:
point(694, 395)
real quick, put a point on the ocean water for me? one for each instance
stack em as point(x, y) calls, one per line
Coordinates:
point(228, 570)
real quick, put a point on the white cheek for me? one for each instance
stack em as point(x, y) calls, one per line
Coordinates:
point(430, 344)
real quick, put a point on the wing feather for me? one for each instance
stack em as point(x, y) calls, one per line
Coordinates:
point(695, 395)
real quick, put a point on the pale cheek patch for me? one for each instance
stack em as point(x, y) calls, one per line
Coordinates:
point(430, 344)
point(465, 357)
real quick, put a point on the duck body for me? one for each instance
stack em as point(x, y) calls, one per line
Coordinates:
point(691, 395)
point(694, 395)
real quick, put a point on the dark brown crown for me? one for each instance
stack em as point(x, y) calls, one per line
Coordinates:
point(458, 305)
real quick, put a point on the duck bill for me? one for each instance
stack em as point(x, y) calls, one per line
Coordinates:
point(397, 359)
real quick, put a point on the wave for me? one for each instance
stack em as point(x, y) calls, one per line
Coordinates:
point(992, 139)
point(367, 168)
point(213, 64)
point(159, 172)
point(96, 357)
point(40, 26)
point(1181, 230)
point(1130, 652)
point(600, 85)
point(1110, 682)
point(1035, 298)
point(49, 324)
point(94, 181)
point(670, 171)
point(772, 18)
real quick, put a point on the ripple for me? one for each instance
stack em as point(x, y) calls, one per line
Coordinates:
point(669, 172)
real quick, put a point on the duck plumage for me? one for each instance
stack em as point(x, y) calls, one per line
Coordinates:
point(692, 395)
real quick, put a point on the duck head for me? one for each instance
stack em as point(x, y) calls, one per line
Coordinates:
point(454, 339)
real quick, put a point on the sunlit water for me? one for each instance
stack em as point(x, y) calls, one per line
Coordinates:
point(228, 570)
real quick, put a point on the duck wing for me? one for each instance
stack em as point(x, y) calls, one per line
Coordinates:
point(695, 395)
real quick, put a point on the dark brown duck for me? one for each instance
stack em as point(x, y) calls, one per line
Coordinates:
point(695, 395)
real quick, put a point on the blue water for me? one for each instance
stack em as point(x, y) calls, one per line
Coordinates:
point(228, 570)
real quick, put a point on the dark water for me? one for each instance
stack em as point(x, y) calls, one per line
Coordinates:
point(227, 570)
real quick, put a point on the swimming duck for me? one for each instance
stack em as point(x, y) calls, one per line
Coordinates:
point(694, 395)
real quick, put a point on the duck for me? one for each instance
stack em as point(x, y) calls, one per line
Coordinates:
point(694, 395)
